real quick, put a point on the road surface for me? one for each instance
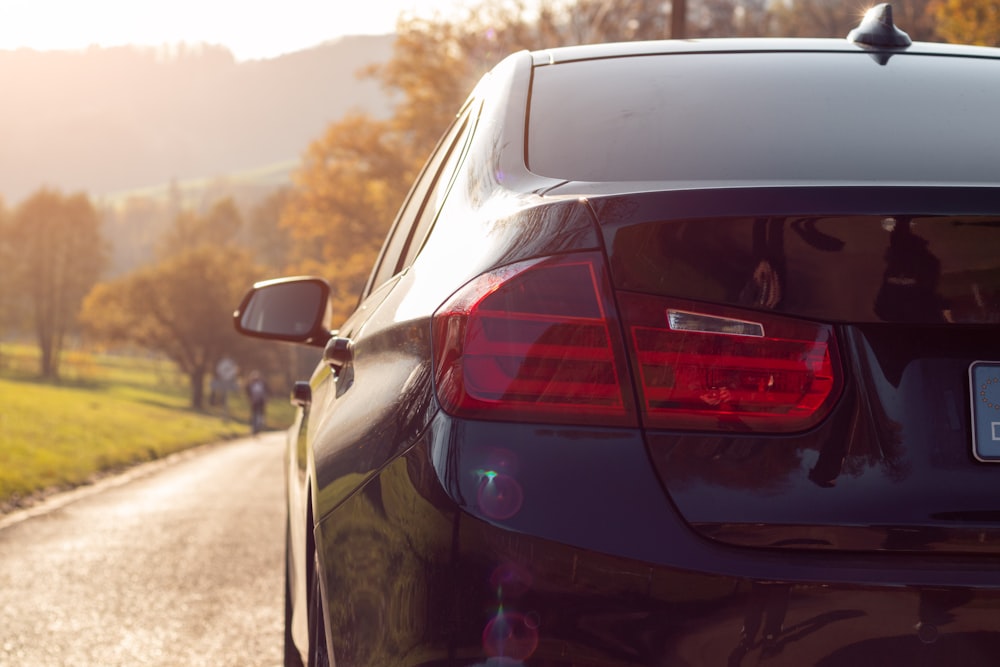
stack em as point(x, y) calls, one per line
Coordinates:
point(178, 563)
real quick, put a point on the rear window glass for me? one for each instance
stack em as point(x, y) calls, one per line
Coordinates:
point(767, 116)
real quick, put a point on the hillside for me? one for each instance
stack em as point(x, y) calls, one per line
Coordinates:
point(111, 120)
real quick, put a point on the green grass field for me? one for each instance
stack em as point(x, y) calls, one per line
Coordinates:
point(106, 413)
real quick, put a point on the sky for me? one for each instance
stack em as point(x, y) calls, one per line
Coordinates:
point(251, 29)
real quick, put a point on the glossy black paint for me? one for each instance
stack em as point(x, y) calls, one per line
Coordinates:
point(868, 539)
point(441, 575)
point(880, 474)
point(890, 266)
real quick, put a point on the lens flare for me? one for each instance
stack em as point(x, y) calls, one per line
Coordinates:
point(499, 495)
point(511, 635)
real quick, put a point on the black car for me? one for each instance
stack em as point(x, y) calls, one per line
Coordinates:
point(678, 353)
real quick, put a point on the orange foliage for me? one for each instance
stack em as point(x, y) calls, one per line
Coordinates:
point(968, 21)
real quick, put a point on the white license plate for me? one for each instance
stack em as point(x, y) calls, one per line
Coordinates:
point(984, 381)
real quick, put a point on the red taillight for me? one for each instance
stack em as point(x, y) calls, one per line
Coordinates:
point(533, 341)
point(715, 368)
point(539, 341)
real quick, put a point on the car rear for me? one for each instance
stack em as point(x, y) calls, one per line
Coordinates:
point(756, 421)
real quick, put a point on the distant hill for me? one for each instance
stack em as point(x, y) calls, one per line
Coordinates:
point(111, 120)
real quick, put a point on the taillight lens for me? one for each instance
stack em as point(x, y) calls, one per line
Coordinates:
point(534, 341)
point(708, 367)
point(539, 341)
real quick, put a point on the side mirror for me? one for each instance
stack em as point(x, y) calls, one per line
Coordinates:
point(286, 309)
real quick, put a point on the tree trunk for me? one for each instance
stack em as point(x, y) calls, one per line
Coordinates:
point(678, 19)
point(49, 359)
point(197, 379)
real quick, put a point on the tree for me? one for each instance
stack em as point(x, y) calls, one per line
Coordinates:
point(968, 21)
point(57, 254)
point(181, 307)
point(834, 18)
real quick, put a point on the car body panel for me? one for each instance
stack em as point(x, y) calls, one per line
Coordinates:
point(868, 537)
point(434, 579)
point(847, 268)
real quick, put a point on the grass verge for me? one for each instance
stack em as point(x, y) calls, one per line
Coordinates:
point(107, 413)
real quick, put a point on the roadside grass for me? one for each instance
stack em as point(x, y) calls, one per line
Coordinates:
point(106, 413)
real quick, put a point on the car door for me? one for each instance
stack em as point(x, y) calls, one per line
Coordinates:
point(357, 386)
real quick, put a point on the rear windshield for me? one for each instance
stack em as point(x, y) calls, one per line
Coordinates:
point(767, 116)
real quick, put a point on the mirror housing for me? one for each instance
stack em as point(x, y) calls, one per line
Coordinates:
point(286, 309)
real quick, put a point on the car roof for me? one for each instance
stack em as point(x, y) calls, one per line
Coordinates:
point(749, 45)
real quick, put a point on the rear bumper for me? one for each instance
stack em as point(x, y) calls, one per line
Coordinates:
point(548, 604)
point(507, 545)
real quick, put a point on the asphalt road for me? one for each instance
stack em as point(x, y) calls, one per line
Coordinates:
point(178, 563)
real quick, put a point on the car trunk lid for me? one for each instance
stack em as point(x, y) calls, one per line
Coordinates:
point(912, 299)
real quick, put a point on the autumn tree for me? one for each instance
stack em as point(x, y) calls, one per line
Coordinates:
point(57, 253)
point(968, 21)
point(181, 305)
point(834, 18)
